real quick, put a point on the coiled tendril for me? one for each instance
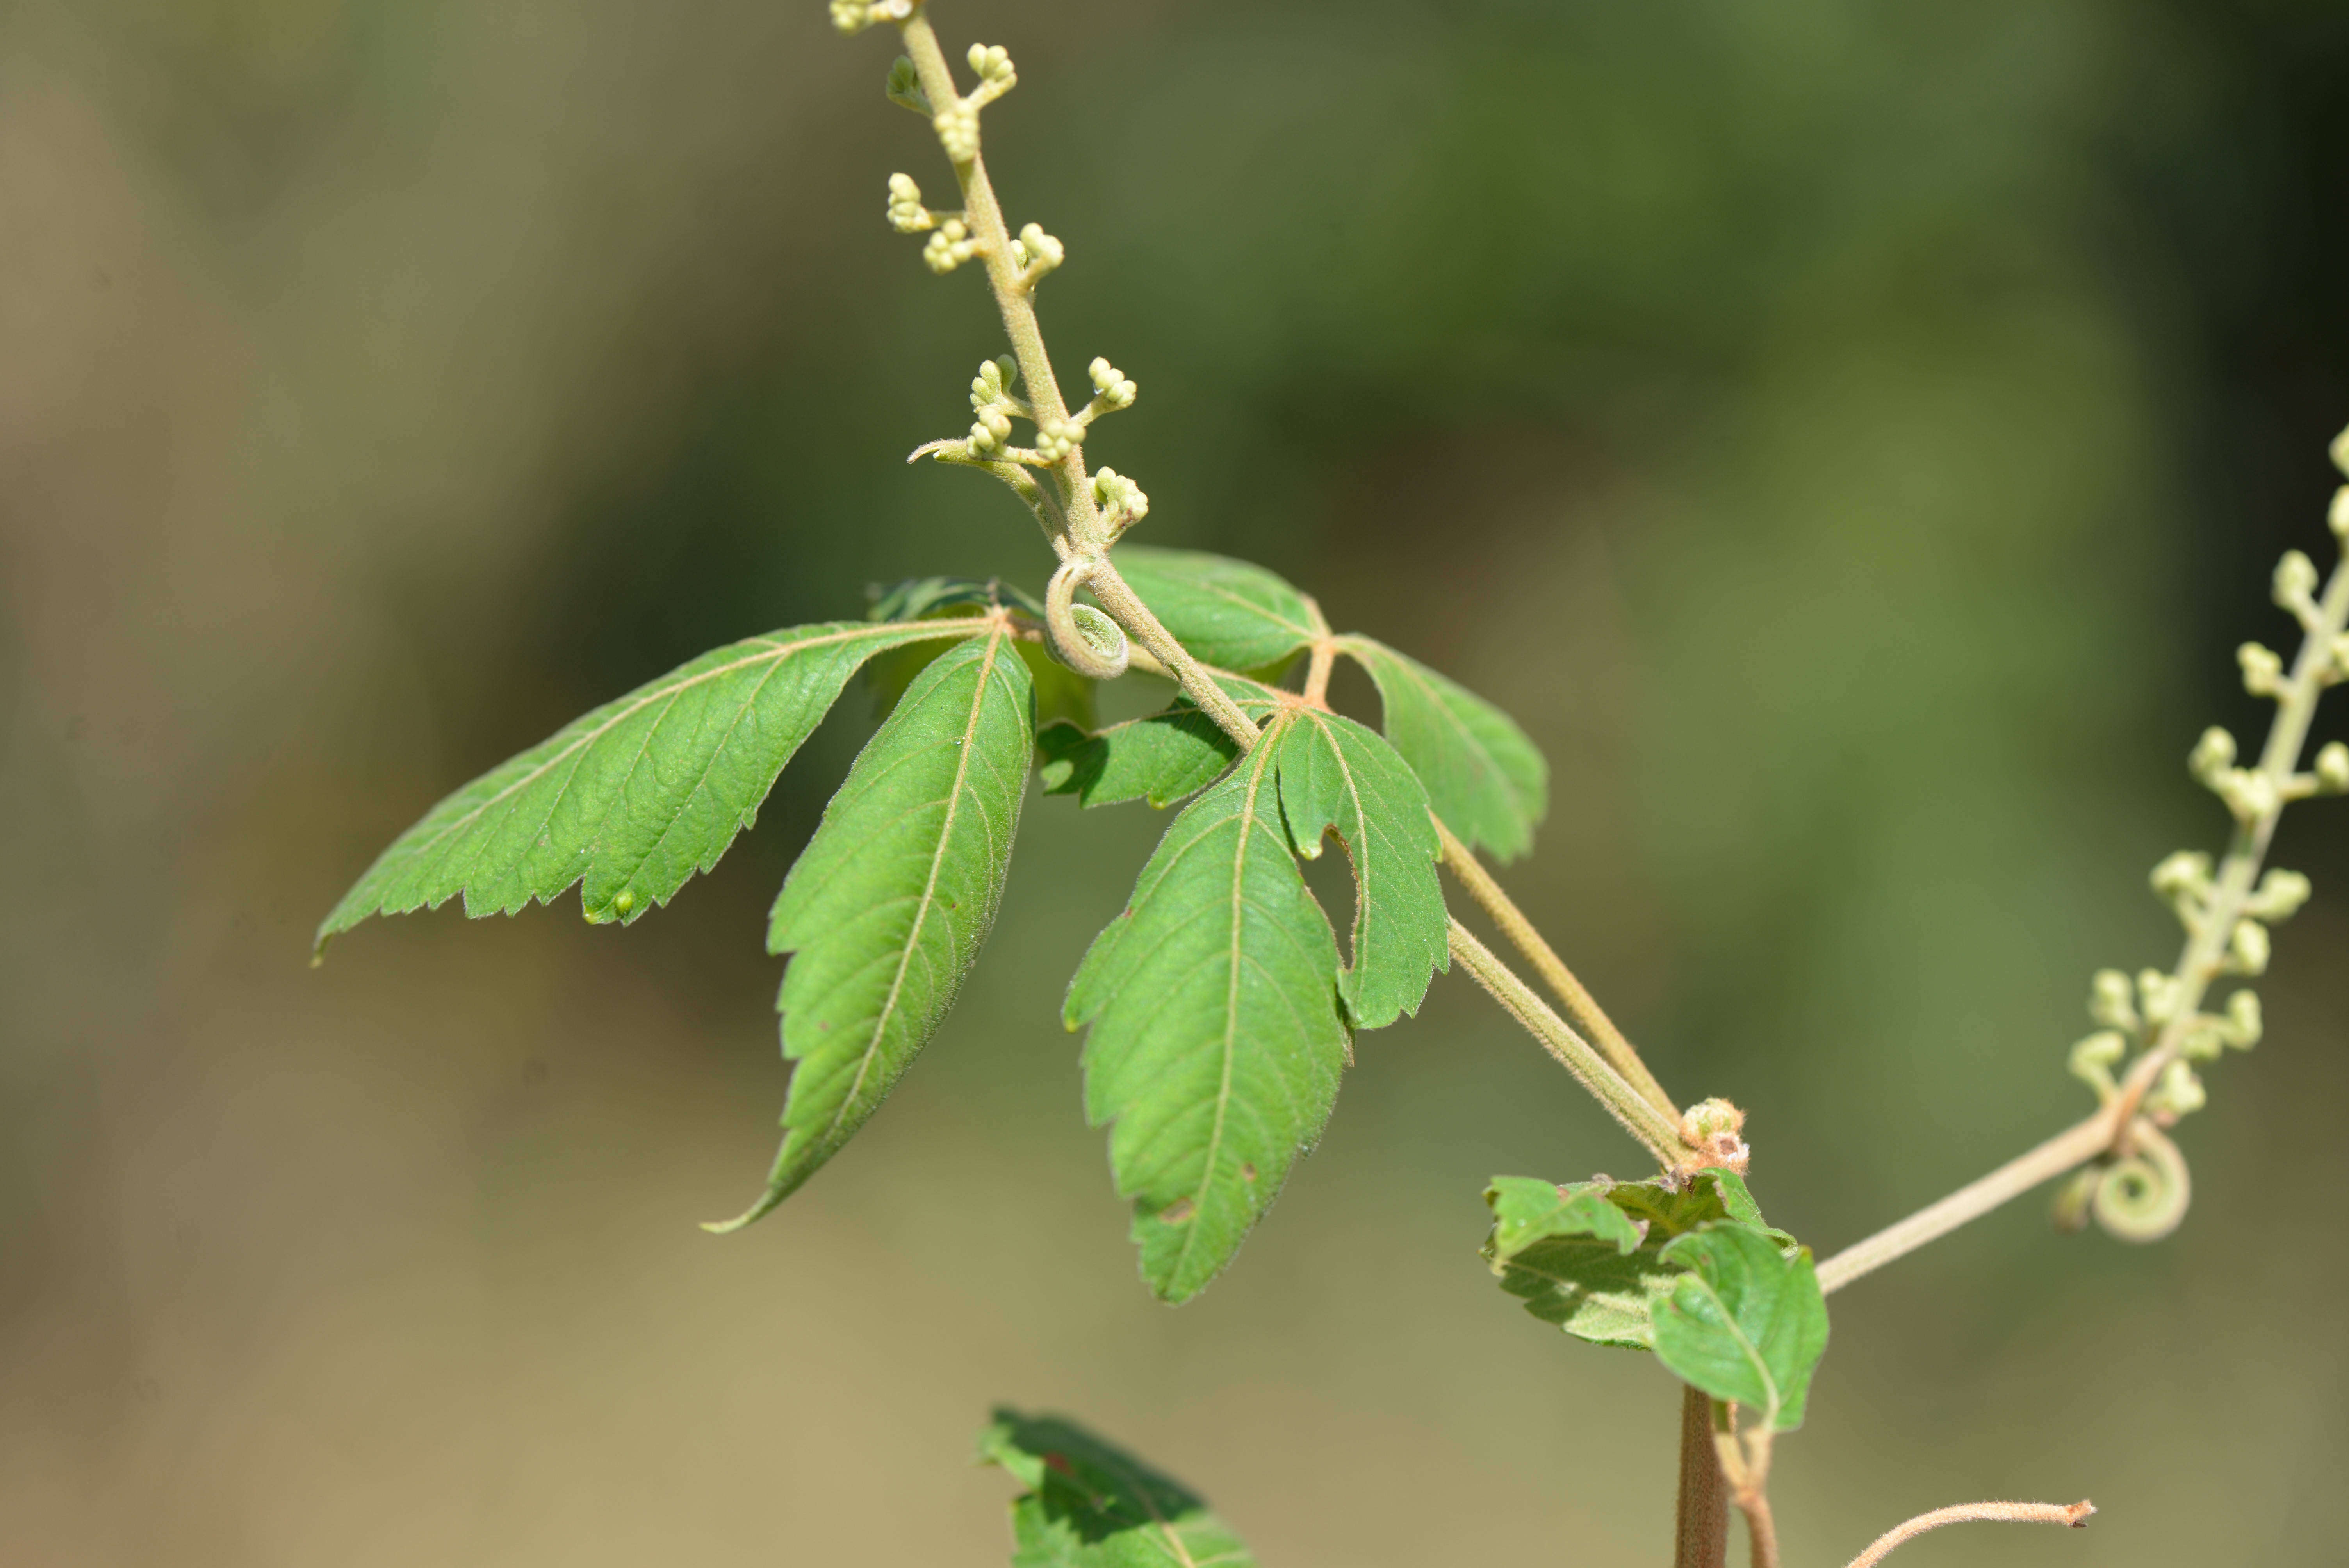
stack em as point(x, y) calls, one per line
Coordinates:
point(2141, 1195)
point(1082, 638)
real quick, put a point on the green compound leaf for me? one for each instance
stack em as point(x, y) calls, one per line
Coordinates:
point(887, 908)
point(1336, 776)
point(1745, 1322)
point(1217, 1043)
point(1562, 1249)
point(1485, 778)
point(636, 796)
point(1228, 612)
point(1090, 1505)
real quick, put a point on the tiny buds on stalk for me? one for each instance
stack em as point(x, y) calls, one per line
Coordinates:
point(2157, 996)
point(2206, 1037)
point(2332, 770)
point(1122, 502)
point(907, 213)
point(2244, 1024)
point(2295, 584)
point(2338, 518)
point(2212, 756)
point(948, 247)
point(993, 67)
point(855, 16)
point(1112, 389)
point(2279, 897)
point(1711, 1128)
point(958, 129)
point(2248, 793)
point(2183, 881)
point(2340, 450)
point(2177, 1092)
point(2112, 1003)
point(1036, 252)
point(2248, 949)
point(2093, 1059)
point(994, 381)
point(904, 88)
point(2262, 669)
point(1058, 440)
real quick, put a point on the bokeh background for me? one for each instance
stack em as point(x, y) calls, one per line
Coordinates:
point(1852, 435)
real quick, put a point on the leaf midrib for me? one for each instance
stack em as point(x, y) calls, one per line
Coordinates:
point(929, 887)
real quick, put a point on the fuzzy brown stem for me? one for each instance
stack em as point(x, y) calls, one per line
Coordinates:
point(2072, 1515)
point(1700, 1534)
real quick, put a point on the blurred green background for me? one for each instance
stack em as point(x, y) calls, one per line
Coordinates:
point(1852, 437)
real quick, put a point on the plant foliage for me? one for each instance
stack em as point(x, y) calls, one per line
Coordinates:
point(1090, 1505)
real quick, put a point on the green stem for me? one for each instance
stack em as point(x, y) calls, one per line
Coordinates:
point(1658, 1133)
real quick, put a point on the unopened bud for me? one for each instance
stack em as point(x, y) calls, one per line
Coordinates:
point(2333, 769)
point(2280, 896)
point(2249, 949)
point(2111, 1001)
point(2262, 669)
point(2212, 754)
point(2295, 579)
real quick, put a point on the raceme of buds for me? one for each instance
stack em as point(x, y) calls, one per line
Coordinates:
point(2094, 1058)
point(2296, 583)
point(2178, 1092)
point(2157, 996)
point(2248, 949)
point(1058, 440)
point(1122, 501)
point(993, 67)
point(2213, 755)
point(855, 16)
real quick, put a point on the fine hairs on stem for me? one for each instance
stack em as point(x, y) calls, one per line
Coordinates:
point(2073, 1516)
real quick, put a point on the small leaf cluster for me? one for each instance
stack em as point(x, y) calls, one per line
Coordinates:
point(1686, 1269)
point(1088, 1504)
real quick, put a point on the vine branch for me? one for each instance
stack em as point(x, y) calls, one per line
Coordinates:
point(2073, 1516)
point(2215, 930)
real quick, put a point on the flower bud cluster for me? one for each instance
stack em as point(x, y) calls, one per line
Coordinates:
point(2248, 792)
point(958, 129)
point(1122, 501)
point(855, 16)
point(949, 246)
point(1056, 439)
point(992, 399)
point(1036, 252)
point(1112, 389)
point(907, 213)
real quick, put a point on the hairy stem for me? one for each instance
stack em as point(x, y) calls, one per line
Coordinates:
point(2201, 963)
point(1700, 1532)
point(1581, 1006)
point(1657, 1132)
point(2072, 1515)
point(984, 214)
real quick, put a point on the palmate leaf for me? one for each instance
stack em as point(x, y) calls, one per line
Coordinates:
point(1216, 1044)
point(1744, 1321)
point(637, 796)
point(1336, 776)
point(1487, 780)
point(1590, 1256)
point(1090, 1505)
point(887, 907)
point(1226, 613)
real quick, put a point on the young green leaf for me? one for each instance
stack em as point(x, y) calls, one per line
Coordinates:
point(1090, 1505)
point(1226, 613)
point(1562, 1250)
point(1159, 758)
point(1337, 776)
point(1744, 1322)
point(1485, 778)
point(1217, 1043)
point(637, 796)
point(886, 909)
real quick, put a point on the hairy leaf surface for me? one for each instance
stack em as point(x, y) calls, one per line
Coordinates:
point(1337, 776)
point(1557, 1249)
point(1744, 1322)
point(1226, 613)
point(637, 796)
point(1091, 1505)
point(1487, 780)
point(1159, 758)
point(886, 909)
point(1216, 1044)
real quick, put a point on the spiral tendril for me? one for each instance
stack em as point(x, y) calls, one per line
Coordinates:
point(1082, 638)
point(2142, 1195)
